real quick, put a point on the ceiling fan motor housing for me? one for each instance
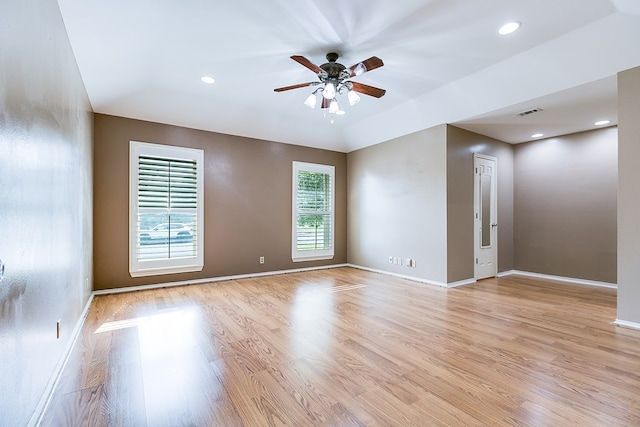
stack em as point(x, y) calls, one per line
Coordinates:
point(332, 68)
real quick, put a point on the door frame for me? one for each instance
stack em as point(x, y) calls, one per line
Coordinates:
point(494, 211)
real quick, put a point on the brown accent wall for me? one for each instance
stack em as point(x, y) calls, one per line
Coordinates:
point(566, 206)
point(45, 208)
point(461, 145)
point(247, 201)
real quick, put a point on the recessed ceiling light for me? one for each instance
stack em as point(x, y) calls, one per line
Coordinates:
point(537, 135)
point(208, 79)
point(509, 28)
point(602, 122)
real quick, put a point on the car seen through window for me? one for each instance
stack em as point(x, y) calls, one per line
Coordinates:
point(162, 233)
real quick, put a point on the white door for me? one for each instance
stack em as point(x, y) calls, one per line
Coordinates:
point(485, 216)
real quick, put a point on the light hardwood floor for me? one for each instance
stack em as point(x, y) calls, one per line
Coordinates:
point(346, 347)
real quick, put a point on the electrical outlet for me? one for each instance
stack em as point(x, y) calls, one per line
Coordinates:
point(399, 261)
point(261, 260)
point(390, 260)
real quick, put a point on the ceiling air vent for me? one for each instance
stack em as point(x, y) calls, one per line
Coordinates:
point(526, 113)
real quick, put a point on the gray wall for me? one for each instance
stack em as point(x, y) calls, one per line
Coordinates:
point(629, 195)
point(556, 204)
point(565, 205)
point(461, 144)
point(247, 201)
point(397, 205)
point(45, 209)
point(413, 197)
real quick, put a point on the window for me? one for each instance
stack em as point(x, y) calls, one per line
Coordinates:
point(166, 209)
point(313, 206)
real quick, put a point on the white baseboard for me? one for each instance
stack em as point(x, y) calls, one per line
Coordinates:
point(461, 283)
point(401, 276)
point(507, 273)
point(390, 273)
point(627, 324)
point(45, 400)
point(560, 279)
point(213, 279)
point(471, 281)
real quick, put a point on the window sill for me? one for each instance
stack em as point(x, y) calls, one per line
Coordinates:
point(165, 270)
point(311, 258)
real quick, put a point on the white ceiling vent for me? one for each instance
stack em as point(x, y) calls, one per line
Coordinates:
point(526, 113)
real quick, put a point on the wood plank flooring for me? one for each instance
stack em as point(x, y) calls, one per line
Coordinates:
point(345, 347)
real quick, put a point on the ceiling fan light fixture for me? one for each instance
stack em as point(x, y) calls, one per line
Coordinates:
point(333, 107)
point(329, 91)
point(334, 80)
point(311, 101)
point(353, 97)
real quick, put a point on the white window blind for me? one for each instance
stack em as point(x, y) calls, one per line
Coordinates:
point(166, 209)
point(313, 211)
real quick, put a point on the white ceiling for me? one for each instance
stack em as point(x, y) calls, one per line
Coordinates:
point(444, 63)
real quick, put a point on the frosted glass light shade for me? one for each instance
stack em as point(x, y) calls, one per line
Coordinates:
point(353, 97)
point(333, 107)
point(311, 101)
point(329, 91)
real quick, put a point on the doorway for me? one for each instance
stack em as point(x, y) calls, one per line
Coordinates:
point(485, 216)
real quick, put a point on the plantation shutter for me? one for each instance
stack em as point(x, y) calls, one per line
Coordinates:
point(166, 231)
point(314, 211)
point(169, 184)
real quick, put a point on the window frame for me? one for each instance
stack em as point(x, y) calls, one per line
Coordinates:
point(318, 254)
point(141, 268)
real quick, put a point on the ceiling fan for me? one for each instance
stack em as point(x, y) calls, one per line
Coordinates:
point(335, 78)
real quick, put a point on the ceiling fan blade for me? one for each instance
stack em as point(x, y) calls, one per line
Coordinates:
point(368, 90)
point(325, 102)
point(368, 65)
point(282, 89)
point(306, 63)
